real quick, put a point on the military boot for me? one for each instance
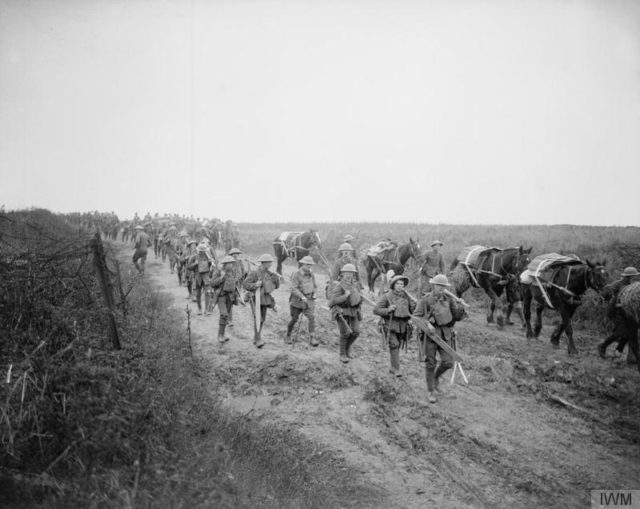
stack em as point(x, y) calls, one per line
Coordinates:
point(343, 350)
point(257, 338)
point(350, 342)
point(221, 336)
point(312, 340)
point(395, 362)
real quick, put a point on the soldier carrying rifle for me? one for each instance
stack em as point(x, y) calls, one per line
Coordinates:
point(396, 307)
point(225, 283)
point(442, 311)
point(345, 301)
point(261, 283)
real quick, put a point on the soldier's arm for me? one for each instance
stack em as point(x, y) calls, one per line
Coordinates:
point(337, 296)
point(218, 278)
point(295, 286)
point(422, 308)
point(382, 307)
point(250, 282)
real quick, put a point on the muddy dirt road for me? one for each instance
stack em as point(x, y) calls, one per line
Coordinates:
point(501, 441)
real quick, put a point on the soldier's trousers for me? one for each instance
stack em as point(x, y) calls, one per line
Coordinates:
point(295, 315)
point(142, 256)
point(225, 306)
point(347, 337)
point(446, 362)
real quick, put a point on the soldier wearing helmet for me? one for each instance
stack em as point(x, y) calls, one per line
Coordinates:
point(190, 271)
point(264, 281)
point(141, 245)
point(202, 266)
point(345, 301)
point(396, 307)
point(225, 283)
point(240, 272)
point(345, 255)
point(303, 299)
point(621, 329)
point(442, 311)
point(432, 266)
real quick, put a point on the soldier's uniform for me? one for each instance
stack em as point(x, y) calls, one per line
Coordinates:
point(432, 266)
point(142, 244)
point(345, 301)
point(621, 328)
point(441, 311)
point(270, 281)
point(239, 272)
point(225, 283)
point(303, 299)
point(395, 307)
point(202, 266)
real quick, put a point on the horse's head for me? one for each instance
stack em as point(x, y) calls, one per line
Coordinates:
point(310, 239)
point(524, 259)
point(597, 275)
point(414, 247)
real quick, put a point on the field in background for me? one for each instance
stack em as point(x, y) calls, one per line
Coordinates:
point(619, 246)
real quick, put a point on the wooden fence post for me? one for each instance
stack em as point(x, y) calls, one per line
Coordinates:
point(100, 265)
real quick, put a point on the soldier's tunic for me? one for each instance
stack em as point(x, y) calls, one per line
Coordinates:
point(396, 323)
point(442, 312)
point(202, 267)
point(303, 284)
point(270, 282)
point(225, 283)
point(142, 244)
point(347, 306)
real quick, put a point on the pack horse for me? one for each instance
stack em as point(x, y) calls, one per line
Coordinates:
point(294, 245)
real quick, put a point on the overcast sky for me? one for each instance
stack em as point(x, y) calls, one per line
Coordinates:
point(293, 110)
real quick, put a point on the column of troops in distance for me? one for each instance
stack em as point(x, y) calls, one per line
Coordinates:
point(550, 280)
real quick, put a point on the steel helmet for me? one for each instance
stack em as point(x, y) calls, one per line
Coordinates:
point(227, 259)
point(630, 271)
point(437, 243)
point(307, 260)
point(202, 247)
point(139, 227)
point(348, 237)
point(440, 279)
point(183, 233)
point(348, 267)
point(235, 250)
point(191, 241)
point(265, 258)
point(345, 247)
point(397, 278)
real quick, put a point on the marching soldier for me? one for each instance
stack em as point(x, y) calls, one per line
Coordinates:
point(442, 311)
point(303, 299)
point(142, 243)
point(345, 301)
point(396, 307)
point(621, 330)
point(240, 273)
point(225, 283)
point(432, 266)
point(264, 281)
point(202, 267)
point(190, 273)
point(345, 255)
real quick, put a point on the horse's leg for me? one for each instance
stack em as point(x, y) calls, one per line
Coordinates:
point(496, 304)
point(538, 326)
point(527, 295)
point(632, 343)
point(568, 329)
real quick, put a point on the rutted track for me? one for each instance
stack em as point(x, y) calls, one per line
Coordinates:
point(499, 442)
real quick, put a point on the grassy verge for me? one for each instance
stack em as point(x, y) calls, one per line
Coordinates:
point(85, 426)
